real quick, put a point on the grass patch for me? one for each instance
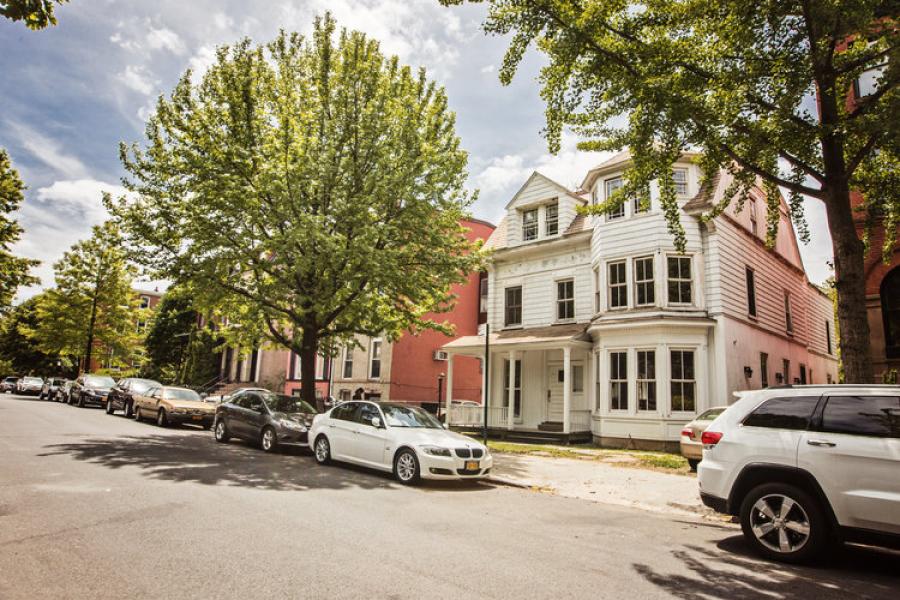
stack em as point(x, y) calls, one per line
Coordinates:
point(635, 458)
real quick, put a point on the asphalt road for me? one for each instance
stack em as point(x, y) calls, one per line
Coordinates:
point(94, 506)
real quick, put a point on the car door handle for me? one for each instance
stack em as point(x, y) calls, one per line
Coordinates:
point(821, 443)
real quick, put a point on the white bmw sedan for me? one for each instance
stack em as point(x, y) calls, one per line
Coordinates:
point(398, 438)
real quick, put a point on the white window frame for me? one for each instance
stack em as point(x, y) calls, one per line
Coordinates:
point(554, 221)
point(681, 186)
point(754, 219)
point(145, 302)
point(620, 212)
point(649, 380)
point(570, 301)
point(683, 380)
point(345, 361)
point(598, 289)
point(320, 367)
point(680, 279)
point(529, 227)
point(517, 389)
point(375, 357)
point(647, 283)
point(506, 322)
point(621, 381)
point(617, 285)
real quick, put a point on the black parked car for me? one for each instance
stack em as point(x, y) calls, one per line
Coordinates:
point(48, 390)
point(264, 418)
point(90, 389)
point(121, 395)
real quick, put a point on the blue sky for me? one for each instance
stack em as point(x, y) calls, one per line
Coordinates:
point(71, 93)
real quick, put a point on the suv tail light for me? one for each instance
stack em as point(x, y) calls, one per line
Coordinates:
point(711, 438)
point(687, 431)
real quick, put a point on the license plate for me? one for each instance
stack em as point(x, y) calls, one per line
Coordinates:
point(197, 417)
point(471, 465)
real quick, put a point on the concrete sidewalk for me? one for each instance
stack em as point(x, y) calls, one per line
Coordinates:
point(602, 482)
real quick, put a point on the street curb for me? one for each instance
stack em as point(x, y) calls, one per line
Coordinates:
point(508, 483)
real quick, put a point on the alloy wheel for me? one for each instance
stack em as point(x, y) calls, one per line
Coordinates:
point(780, 523)
point(322, 450)
point(220, 430)
point(268, 439)
point(406, 467)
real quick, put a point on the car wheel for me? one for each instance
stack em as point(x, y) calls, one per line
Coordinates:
point(137, 414)
point(784, 523)
point(322, 450)
point(161, 419)
point(126, 408)
point(221, 431)
point(692, 463)
point(109, 407)
point(406, 466)
point(268, 441)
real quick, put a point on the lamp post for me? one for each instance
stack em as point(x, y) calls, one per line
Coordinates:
point(440, 394)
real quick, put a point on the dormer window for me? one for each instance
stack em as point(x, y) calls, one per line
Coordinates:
point(551, 219)
point(611, 186)
point(679, 176)
point(530, 225)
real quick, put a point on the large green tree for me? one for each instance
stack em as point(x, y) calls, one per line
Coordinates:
point(760, 87)
point(19, 349)
point(37, 14)
point(309, 190)
point(14, 270)
point(170, 334)
point(93, 305)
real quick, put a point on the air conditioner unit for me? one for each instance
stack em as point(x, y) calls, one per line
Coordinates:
point(440, 355)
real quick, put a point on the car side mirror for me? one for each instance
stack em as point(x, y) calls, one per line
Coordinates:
point(376, 422)
point(204, 396)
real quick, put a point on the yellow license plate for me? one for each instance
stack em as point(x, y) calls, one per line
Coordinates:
point(471, 465)
point(197, 417)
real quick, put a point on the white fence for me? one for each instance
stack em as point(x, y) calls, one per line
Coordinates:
point(472, 416)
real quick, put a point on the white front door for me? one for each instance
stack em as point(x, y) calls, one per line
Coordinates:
point(554, 409)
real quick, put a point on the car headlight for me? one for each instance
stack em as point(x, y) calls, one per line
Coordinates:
point(288, 424)
point(436, 450)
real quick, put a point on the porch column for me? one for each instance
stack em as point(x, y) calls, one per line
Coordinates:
point(567, 389)
point(511, 393)
point(449, 401)
point(592, 379)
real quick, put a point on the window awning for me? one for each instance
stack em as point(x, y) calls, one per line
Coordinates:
point(534, 338)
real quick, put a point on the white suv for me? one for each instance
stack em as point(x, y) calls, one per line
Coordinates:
point(802, 466)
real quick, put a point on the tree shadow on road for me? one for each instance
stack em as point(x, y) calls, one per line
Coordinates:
point(195, 457)
point(733, 571)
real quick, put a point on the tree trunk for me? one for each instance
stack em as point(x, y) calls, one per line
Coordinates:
point(88, 351)
point(850, 282)
point(309, 347)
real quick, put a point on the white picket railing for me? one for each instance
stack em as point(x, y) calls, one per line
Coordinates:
point(466, 415)
point(580, 420)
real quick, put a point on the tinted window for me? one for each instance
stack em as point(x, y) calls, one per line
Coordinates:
point(344, 412)
point(243, 401)
point(863, 415)
point(366, 413)
point(783, 413)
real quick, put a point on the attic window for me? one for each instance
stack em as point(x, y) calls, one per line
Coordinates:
point(551, 222)
point(530, 225)
point(679, 176)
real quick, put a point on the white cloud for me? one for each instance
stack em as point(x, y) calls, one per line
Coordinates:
point(164, 38)
point(57, 216)
point(47, 150)
point(138, 79)
point(223, 21)
point(203, 59)
point(488, 69)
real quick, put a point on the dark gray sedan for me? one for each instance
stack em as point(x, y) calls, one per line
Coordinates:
point(264, 418)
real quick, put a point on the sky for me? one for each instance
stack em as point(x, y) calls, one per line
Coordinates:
point(69, 94)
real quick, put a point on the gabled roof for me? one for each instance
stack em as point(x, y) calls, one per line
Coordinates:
point(705, 198)
point(497, 238)
point(536, 175)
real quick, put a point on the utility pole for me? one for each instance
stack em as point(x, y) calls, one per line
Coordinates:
point(487, 380)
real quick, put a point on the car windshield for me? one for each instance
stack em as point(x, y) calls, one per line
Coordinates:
point(11, 379)
point(58, 381)
point(287, 404)
point(180, 394)
point(711, 414)
point(32, 380)
point(139, 386)
point(99, 381)
point(398, 415)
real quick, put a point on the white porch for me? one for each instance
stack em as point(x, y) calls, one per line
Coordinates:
point(541, 382)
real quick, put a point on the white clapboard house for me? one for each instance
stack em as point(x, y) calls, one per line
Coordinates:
point(600, 329)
